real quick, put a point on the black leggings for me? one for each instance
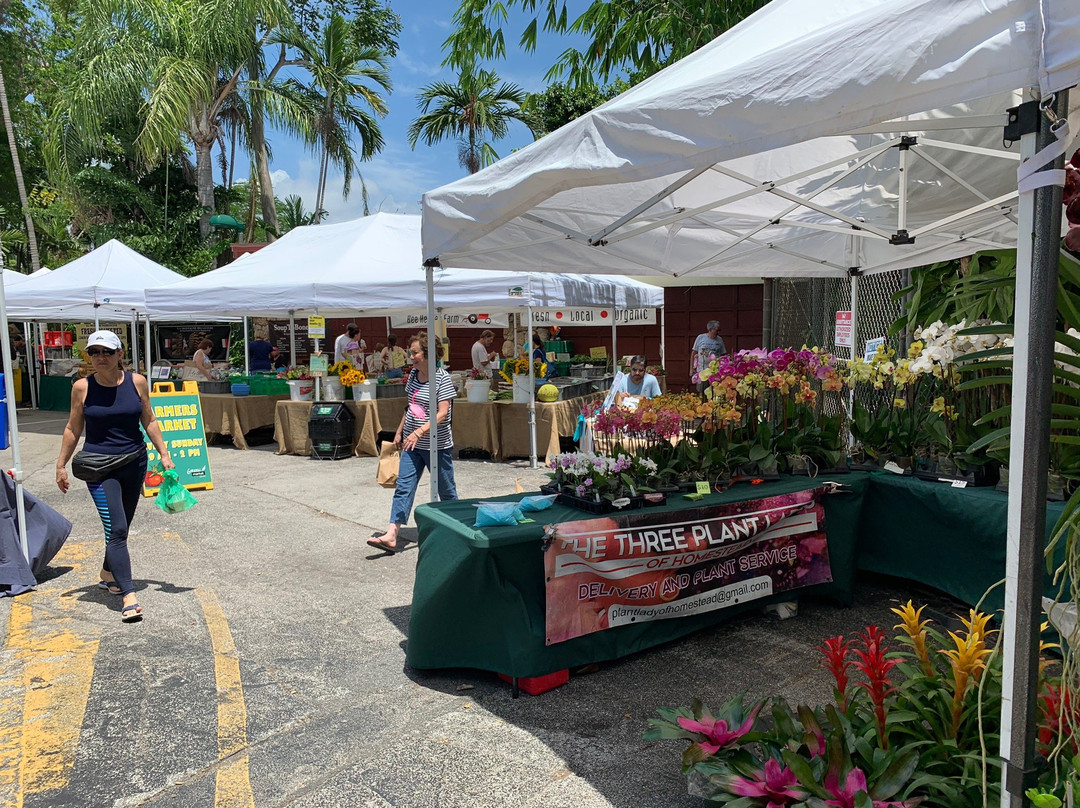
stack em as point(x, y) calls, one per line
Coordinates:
point(116, 497)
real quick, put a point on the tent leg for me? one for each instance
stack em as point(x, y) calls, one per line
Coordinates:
point(854, 313)
point(433, 397)
point(663, 337)
point(292, 339)
point(766, 313)
point(1037, 243)
point(146, 343)
point(247, 359)
point(532, 393)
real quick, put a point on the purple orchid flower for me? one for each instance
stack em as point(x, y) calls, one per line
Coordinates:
point(716, 731)
point(778, 785)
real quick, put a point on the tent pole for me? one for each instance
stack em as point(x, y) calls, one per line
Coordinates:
point(532, 393)
point(663, 338)
point(247, 360)
point(134, 341)
point(31, 361)
point(766, 313)
point(292, 339)
point(147, 343)
point(1037, 246)
point(854, 312)
point(614, 342)
point(13, 425)
point(433, 396)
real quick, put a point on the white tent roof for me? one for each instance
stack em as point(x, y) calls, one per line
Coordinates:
point(768, 152)
point(372, 265)
point(109, 280)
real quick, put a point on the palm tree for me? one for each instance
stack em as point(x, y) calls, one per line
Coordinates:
point(477, 107)
point(342, 73)
point(35, 262)
point(292, 214)
point(185, 57)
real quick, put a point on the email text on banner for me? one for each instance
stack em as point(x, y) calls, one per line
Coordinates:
point(634, 567)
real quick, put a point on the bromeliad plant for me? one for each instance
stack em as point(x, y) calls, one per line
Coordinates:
point(905, 727)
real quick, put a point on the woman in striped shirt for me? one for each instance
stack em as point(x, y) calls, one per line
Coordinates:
point(413, 436)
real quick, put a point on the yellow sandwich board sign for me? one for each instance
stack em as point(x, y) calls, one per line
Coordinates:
point(180, 417)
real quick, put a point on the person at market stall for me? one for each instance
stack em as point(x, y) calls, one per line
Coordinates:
point(352, 334)
point(278, 358)
point(394, 358)
point(482, 355)
point(202, 359)
point(375, 360)
point(111, 404)
point(636, 384)
point(707, 346)
point(414, 437)
point(541, 355)
point(259, 351)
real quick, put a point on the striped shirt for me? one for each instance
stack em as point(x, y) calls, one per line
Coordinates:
point(445, 392)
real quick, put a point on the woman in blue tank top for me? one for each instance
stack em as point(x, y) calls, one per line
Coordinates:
point(111, 405)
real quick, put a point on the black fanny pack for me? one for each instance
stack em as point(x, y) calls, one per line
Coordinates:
point(93, 467)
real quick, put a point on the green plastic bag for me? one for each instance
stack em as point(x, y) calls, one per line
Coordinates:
point(173, 497)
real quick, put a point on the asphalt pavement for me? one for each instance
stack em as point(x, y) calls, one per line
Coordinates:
point(270, 667)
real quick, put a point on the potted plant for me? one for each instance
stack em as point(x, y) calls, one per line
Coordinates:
point(301, 384)
point(478, 385)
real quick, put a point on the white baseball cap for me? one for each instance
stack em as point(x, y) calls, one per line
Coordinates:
point(106, 339)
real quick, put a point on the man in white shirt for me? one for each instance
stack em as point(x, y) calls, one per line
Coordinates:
point(352, 333)
point(482, 355)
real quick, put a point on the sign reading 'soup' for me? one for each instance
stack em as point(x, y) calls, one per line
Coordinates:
point(179, 417)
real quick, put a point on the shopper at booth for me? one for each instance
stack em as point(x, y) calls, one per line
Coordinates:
point(259, 351)
point(394, 358)
point(706, 347)
point(414, 436)
point(482, 355)
point(111, 404)
point(352, 334)
point(203, 364)
point(635, 384)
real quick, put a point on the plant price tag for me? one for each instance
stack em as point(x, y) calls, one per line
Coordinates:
point(891, 466)
point(703, 487)
point(959, 483)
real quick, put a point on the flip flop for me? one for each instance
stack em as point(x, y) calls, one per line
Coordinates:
point(131, 614)
point(112, 587)
point(386, 548)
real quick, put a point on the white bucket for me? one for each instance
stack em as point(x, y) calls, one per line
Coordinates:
point(365, 391)
point(522, 390)
point(301, 389)
point(476, 390)
point(332, 389)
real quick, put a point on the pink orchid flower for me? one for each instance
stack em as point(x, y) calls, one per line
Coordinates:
point(844, 796)
point(775, 783)
point(716, 731)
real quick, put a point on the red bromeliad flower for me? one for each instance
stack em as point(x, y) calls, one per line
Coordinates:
point(716, 731)
point(778, 785)
point(875, 667)
point(836, 660)
point(843, 796)
point(1058, 715)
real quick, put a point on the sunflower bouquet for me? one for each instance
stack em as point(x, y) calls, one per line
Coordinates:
point(520, 367)
point(350, 375)
point(339, 368)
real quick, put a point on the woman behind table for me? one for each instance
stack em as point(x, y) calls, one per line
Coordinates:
point(395, 358)
point(202, 359)
point(111, 404)
point(413, 435)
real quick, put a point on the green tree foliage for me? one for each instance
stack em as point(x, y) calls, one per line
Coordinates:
point(480, 106)
point(639, 36)
point(561, 103)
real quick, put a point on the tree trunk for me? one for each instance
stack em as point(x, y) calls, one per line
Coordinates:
point(31, 233)
point(204, 182)
point(262, 165)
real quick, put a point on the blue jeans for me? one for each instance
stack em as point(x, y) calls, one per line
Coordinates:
point(395, 373)
point(410, 470)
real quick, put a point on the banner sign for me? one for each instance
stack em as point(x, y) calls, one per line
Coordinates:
point(843, 335)
point(179, 341)
point(316, 326)
point(84, 330)
point(621, 569)
point(871, 348)
point(179, 416)
point(588, 316)
point(470, 320)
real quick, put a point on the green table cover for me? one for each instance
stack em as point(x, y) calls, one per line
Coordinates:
point(952, 539)
point(55, 393)
point(478, 599)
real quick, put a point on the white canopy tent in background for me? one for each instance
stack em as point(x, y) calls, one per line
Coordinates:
point(372, 266)
point(821, 138)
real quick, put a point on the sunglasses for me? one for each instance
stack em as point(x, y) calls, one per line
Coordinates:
point(100, 352)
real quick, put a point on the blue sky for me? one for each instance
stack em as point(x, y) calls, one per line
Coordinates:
point(398, 176)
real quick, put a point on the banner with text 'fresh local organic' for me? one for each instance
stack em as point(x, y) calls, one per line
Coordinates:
point(621, 569)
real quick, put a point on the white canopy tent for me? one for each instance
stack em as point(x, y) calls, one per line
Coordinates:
point(372, 266)
point(823, 139)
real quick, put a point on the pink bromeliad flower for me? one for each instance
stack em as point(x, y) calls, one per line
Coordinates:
point(843, 796)
point(717, 733)
point(778, 785)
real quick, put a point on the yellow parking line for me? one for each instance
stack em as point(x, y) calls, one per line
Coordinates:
point(233, 785)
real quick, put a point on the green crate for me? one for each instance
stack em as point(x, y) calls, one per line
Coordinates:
point(559, 346)
point(562, 368)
